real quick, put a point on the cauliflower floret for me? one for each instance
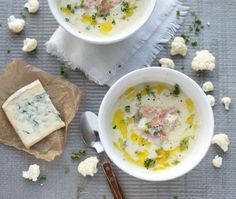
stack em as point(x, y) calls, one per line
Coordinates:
point(203, 60)
point(32, 6)
point(171, 119)
point(167, 63)
point(178, 47)
point(207, 87)
point(226, 101)
point(29, 45)
point(211, 100)
point(222, 140)
point(217, 161)
point(142, 124)
point(88, 166)
point(15, 24)
point(32, 173)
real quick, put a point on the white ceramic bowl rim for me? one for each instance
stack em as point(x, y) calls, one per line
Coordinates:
point(185, 165)
point(102, 40)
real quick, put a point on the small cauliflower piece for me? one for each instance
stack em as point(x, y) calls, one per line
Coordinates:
point(226, 101)
point(29, 45)
point(203, 60)
point(222, 140)
point(211, 100)
point(32, 6)
point(15, 24)
point(32, 173)
point(167, 63)
point(171, 119)
point(217, 161)
point(142, 124)
point(178, 47)
point(88, 166)
point(208, 86)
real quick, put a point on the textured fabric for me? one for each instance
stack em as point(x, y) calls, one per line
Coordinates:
point(101, 63)
point(203, 182)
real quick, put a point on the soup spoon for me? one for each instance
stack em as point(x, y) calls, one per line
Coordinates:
point(89, 130)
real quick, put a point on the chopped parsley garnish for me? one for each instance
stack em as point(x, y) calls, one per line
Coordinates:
point(148, 125)
point(125, 6)
point(114, 127)
point(149, 163)
point(127, 109)
point(194, 43)
point(185, 37)
point(148, 89)
point(177, 13)
point(87, 28)
point(67, 19)
point(113, 22)
point(105, 15)
point(94, 16)
point(76, 155)
point(104, 196)
point(42, 178)
point(175, 197)
point(175, 162)
point(69, 7)
point(184, 144)
point(139, 96)
point(197, 22)
point(66, 169)
point(176, 90)
point(63, 72)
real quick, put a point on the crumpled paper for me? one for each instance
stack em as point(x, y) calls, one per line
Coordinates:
point(64, 95)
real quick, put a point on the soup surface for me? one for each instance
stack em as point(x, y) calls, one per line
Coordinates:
point(154, 125)
point(101, 17)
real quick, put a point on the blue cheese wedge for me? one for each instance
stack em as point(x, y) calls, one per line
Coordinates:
point(32, 114)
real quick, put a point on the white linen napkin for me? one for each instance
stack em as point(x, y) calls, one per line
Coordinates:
point(104, 64)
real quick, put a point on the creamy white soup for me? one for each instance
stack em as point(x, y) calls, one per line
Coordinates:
point(154, 125)
point(101, 17)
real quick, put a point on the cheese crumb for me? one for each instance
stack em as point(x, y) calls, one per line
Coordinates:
point(88, 166)
point(178, 47)
point(32, 173)
point(29, 45)
point(167, 63)
point(15, 24)
point(222, 140)
point(211, 100)
point(203, 60)
point(32, 6)
point(217, 161)
point(226, 101)
point(208, 86)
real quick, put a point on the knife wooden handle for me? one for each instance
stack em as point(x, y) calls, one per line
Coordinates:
point(112, 180)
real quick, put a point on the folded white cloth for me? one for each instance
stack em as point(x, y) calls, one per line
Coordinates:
point(104, 64)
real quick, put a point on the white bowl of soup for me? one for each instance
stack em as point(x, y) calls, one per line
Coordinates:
point(101, 21)
point(156, 124)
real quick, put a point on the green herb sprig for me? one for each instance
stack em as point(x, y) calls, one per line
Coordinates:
point(176, 90)
point(149, 163)
point(63, 72)
point(76, 155)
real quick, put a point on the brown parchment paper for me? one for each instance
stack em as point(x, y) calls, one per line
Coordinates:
point(64, 95)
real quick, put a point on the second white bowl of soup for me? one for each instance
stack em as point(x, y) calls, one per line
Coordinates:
point(101, 21)
point(156, 124)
